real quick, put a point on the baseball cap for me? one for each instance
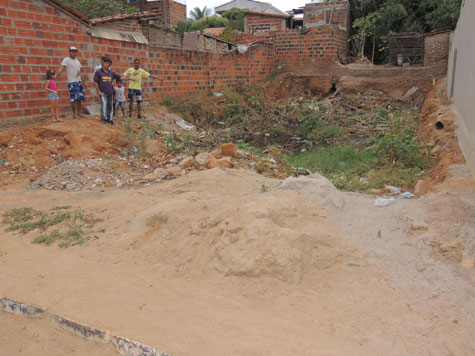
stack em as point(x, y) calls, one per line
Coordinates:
point(72, 48)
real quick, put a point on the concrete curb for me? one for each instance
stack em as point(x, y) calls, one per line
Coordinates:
point(123, 346)
point(17, 308)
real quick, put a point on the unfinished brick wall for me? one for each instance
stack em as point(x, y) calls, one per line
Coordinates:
point(436, 51)
point(175, 11)
point(327, 13)
point(296, 48)
point(35, 36)
point(258, 23)
point(160, 36)
point(125, 25)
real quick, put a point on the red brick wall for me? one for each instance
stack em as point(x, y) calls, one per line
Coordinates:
point(34, 37)
point(334, 13)
point(296, 48)
point(176, 12)
point(260, 23)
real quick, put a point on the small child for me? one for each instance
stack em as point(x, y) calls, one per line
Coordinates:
point(52, 89)
point(119, 97)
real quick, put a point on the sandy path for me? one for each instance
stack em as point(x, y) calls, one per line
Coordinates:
point(25, 336)
point(381, 296)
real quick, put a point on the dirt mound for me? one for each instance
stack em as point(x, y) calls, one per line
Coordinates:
point(273, 232)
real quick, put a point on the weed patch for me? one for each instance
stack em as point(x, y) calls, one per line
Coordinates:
point(74, 227)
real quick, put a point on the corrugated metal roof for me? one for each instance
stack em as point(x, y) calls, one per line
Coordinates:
point(250, 5)
point(118, 35)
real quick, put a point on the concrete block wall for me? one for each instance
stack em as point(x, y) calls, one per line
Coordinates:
point(258, 23)
point(461, 81)
point(35, 37)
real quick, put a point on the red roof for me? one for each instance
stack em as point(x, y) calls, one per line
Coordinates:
point(135, 15)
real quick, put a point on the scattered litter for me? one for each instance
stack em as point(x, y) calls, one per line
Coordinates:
point(3, 162)
point(242, 48)
point(218, 94)
point(184, 125)
point(384, 201)
point(407, 195)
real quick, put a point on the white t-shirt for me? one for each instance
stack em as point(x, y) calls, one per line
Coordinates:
point(119, 94)
point(73, 69)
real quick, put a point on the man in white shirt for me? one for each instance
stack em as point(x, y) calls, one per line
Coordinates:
point(75, 83)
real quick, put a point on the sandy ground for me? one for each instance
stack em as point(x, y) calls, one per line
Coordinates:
point(213, 264)
point(25, 336)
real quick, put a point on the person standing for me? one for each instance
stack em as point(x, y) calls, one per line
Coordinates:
point(135, 87)
point(103, 79)
point(52, 89)
point(119, 97)
point(75, 83)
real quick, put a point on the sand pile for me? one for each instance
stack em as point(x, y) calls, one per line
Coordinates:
point(270, 231)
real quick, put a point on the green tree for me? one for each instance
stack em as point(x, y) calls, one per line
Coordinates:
point(373, 19)
point(198, 13)
point(205, 22)
point(183, 27)
point(236, 19)
point(100, 8)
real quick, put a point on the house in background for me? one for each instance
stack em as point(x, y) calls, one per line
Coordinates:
point(256, 6)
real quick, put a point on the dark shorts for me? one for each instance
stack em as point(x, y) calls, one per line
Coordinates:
point(76, 91)
point(135, 94)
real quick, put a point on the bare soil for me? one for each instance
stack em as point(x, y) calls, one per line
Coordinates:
point(226, 261)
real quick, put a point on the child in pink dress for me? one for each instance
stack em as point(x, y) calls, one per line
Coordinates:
point(52, 89)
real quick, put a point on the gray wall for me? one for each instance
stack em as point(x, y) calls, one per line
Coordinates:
point(461, 80)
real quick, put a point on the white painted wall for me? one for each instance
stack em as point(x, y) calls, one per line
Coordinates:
point(461, 80)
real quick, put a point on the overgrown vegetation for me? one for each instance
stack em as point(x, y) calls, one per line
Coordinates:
point(72, 226)
point(135, 134)
point(100, 8)
point(359, 142)
point(373, 19)
point(200, 19)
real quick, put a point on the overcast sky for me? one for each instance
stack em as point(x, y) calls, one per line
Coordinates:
point(282, 5)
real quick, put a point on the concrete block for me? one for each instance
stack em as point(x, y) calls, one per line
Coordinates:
point(80, 330)
point(11, 306)
point(126, 347)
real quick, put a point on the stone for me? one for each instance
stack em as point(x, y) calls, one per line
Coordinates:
point(411, 93)
point(150, 177)
point(419, 225)
point(216, 153)
point(228, 149)
point(175, 171)
point(159, 172)
point(186, 162)
point(224, 162)
point(203, 158)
